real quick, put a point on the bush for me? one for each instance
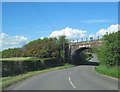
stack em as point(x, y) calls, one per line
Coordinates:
point(113, 71)
point(109, 54)
point(51, 62)
point(12, 68)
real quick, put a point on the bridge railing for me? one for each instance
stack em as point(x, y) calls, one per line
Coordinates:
point(83, 46)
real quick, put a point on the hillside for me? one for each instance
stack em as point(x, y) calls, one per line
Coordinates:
point(42, 48)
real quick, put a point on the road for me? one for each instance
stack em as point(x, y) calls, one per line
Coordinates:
point(81, 77)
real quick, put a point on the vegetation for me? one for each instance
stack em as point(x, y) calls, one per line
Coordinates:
point(63, 44)
point(110, 50)
point(7, 53)
point(18, 66)
point(109, 55)
point(88, 58)
point(17, 59)
point(80, 58)
point(7, 81)
point(110, 71)
point(48, 47)
point(40, 54)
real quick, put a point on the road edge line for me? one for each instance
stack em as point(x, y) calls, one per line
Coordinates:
point(71, 83)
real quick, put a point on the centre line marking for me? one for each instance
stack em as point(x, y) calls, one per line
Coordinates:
point(71, 83)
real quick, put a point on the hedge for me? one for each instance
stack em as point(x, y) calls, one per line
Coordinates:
point(12, 68)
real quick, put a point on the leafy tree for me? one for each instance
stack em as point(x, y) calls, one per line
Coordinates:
point(109, 53)
point(9, 53)
point(44, 53)
point(63, 45)
point(47, 47)
point(62, 41)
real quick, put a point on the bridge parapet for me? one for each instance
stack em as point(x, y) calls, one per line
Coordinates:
point(88, 44)
point(85, 46)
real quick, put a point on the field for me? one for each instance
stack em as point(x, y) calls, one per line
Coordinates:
point(16, 59)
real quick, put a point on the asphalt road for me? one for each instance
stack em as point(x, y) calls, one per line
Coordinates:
point(82, 77)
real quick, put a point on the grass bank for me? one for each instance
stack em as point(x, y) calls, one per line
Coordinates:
point(7, 81)
point(113, 71)
point(89, 58)
point(20, 65)
point(17, 59)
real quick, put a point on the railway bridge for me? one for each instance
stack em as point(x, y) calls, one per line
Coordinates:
point(80, 46)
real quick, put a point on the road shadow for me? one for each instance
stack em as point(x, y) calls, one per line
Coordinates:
point(92, 63)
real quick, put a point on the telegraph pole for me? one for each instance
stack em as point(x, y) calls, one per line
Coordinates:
point(73, 41)
point(77, 40)
point(82, 39)
point(86, 39)
point(98, 37)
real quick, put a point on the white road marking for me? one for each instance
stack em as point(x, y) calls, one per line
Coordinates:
point(71, 83)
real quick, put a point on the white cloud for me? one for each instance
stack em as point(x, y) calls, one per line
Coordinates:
point(111, 29)
point(4, 36)
point(71, 34)
point(42, 38)
point(100, 33)
point(7, 41)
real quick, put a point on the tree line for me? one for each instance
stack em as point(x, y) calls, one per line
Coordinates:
point(109, 53)
point(41, 48)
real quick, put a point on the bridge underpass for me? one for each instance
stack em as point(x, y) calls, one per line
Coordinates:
point(76, 50)
point(79, 46)
point(79, 56)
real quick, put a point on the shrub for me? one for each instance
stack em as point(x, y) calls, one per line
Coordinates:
point(12, 68)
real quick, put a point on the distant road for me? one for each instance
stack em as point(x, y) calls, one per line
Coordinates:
point(82, 77)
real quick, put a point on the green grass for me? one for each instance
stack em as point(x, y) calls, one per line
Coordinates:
point(89, 58)
point(113, 71)
point(25, 59)
point(18, 59)
point(7, 81)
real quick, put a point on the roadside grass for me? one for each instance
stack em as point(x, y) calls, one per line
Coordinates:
point(7, 81)
point(113, 71)
point(17, 59)
point(89, 58)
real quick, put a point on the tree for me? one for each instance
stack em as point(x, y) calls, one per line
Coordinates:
point(109, 53)
point(41, 48)
point(63, 44)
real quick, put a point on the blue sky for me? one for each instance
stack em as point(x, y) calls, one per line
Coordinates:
point(39, 19)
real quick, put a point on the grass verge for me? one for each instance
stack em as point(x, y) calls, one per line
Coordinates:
point(17, 59)
point(113, 71)
point(7, 81)
point(89, 58)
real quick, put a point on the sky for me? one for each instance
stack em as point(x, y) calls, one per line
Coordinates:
point(23, 22)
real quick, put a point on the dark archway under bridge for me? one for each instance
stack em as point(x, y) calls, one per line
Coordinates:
point(80, 50)
point(76, 51)
point(78, 57)
point(80, 46)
